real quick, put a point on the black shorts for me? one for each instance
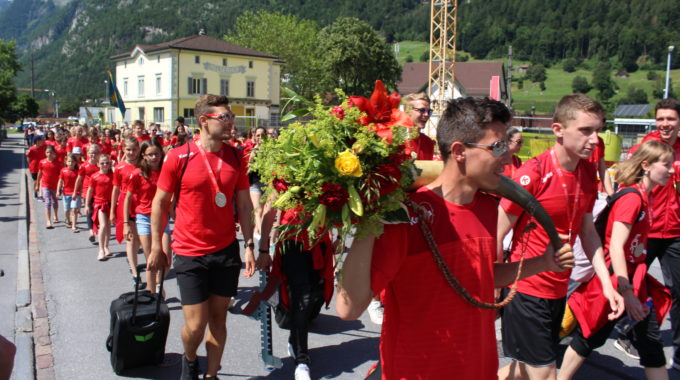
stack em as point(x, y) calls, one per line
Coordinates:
point(34, 176)
point(200, 276)
point(531, 327)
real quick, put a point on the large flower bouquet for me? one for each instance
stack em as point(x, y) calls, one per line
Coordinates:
point(345, 167)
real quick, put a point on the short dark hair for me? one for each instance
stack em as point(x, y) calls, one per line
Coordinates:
point(465, 120)
point(668, 104)
point(569, 104)
point(205, 104)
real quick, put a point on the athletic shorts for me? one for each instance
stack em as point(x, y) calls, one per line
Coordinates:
point(143, 223)
point(531, 327)
point(200, 276)
point(34, 176)
point(71, 202)
point(49, 198)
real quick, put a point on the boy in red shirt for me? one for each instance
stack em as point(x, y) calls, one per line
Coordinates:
point(565, 184)
point(139, 132)
point(35, 154)
point(441, 335)
point(48, 177)
point(206, 177)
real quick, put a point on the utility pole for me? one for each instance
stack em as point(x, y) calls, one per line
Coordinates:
point(508, 86)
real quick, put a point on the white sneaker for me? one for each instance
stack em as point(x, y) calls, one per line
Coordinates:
point(375, 311)
point(302, 372)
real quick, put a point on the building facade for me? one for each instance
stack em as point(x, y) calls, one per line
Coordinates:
point(161, 82)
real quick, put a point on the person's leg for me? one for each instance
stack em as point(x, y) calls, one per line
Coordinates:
point(67, 209)
point(217, 332)
point(580, 348)
point(132, 248)
point(104, 233)
point(670, 267)
point(55, 205)
point(48, 207)
point(7, 352)
point(89, 221)
point(647, 340)
point(195, 321)
point(298, 268)
point(145, 240)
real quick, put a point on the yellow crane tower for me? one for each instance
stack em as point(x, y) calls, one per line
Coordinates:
point(443, 16)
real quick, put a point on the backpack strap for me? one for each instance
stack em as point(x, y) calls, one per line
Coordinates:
point(181, 175)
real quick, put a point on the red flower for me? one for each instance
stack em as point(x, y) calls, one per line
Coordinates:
point(280, 185)
point(381, 110)
point(387, 177)
point(339, 112)
point(334, 196)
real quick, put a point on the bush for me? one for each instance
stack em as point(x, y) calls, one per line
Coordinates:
point(542, 86)
point(652, 75)
point(580, 85)
point(569, 65)
point(536, 73)
point(409, 58)
point(425, 56)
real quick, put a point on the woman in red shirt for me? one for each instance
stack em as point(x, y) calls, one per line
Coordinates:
point(85, 172)
point(99, 196)
point(646, 300)
point(66, 189)
point(48, 177)
point(515, 142)
point(142, 185)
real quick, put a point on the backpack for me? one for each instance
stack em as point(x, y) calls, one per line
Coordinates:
point(603, 218)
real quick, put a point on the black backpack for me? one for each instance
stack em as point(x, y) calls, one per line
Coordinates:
point(603, 217)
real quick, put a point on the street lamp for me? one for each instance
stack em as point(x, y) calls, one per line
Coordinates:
point(53, 94)
point(668, 72)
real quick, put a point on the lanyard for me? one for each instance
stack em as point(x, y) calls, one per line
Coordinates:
point(571, 214)
point(647, 198)
point(212, 176)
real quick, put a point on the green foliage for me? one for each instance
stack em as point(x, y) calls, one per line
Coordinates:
point(542, 86)
point(580, 85)
point(536, 73)
point(8, 69)
point(355, 56)
point(23, 107)
point(602, 81)
point(425, 56)
point(634, 95)
point(660, 87)
point(569, 65)
point(287, 37)
point(409, 58)
point(652, 75)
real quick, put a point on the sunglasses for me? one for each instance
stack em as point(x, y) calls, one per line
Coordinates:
point(220, 116)
point(498, 148)
point(518, 142)
point(428, 111)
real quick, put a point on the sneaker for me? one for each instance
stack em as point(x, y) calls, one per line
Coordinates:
point(375, 311)
point(190, 370)
point(627, 348)
point(101, 256)
point(302, 372)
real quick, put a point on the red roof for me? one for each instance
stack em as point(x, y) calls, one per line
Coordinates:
point(474, 77)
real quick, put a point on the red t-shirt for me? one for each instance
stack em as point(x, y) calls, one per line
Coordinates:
point(512, 167)
point(86, 171)
point(539, 177)
point(201, 227)
point(143, 138)
point(106, 146)
point(102, 187)
point(74, 142)
point(50, 173)
point(35, 155)
point(627, 210)
point(68, 177)
point(423, 146)
point(121, 175)
point(61, 153)
point(50, 142)
point(429, 331)
point(144, 190)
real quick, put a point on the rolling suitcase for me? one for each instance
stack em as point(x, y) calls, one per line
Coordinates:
point(139, 328)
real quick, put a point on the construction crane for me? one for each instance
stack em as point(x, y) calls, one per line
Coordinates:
point(443, 16)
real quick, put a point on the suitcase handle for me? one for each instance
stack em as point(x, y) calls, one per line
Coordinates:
point(142, 268)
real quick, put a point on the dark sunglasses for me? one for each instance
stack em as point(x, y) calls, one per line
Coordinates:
point(498, 148)
point(428, 111)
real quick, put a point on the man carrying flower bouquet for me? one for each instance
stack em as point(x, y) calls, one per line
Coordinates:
point(458, 339)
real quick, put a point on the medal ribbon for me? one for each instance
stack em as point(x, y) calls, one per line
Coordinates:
point(571, 215)
point(212, 176)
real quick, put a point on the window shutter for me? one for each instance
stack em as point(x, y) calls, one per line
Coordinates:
point(204, 86)
point(190, 83)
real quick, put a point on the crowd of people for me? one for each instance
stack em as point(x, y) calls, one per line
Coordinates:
point(139, 179)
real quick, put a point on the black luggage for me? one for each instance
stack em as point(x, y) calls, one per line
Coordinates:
point(139, 328)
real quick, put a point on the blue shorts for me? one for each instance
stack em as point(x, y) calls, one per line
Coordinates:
point(143, 223)
point(71, 202)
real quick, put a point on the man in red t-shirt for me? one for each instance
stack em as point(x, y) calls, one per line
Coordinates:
point(565, 183)
point(441, 335)
point(139, 132)
point(417, 106)
point(205, 177)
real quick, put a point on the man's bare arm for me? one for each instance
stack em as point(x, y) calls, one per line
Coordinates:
point(505, 223)
point(354, 287)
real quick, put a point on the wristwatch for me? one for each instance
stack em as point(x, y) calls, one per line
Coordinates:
point(249, 245)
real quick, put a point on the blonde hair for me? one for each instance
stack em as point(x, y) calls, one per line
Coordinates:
point(630, 171)
point(410, 98)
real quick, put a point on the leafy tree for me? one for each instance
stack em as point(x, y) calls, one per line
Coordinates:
point(354, 56)
point(9, 66)
point(409, 58)
point(536, 73)
point(569, 65)
point(520, 84)
point(23, 107)
point(287, 37)
point(542, 86)
point(634, 95)
point(660, 87)
point(580, 85)
point(602, 81)
point(652, 75)
point(425, 56)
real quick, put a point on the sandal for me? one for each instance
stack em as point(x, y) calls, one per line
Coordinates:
point(101, 256)
point(75, 230)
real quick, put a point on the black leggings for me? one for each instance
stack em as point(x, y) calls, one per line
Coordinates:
point(90, 224)
point(301, 276)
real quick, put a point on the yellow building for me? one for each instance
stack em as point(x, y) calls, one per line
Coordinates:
point(160, 82)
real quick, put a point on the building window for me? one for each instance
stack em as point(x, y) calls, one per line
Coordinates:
point(250, 64)
point(141, 114)
point(140, 61)
point(188, 112)
point(158, 114)
point(158, 84)
point(140, 86)
point(250, 89)
point(125, 87)
point(198, 86)
point(197, 59)
point(224, 61)
point(224, 87)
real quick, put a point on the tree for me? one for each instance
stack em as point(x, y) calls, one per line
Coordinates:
point(9, 66)
point(24, 106)
point(536, 73)
point(634, 95)
point(354, 56)
point(602, 81)
point(287, 37)
point(580, 85)
point(652, 75)
point(569, 65)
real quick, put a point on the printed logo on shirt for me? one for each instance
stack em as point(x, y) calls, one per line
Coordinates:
point(642, 216)
point(547, 177)
point(524, 180)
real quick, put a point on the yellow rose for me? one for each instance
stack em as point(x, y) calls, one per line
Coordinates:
point(348, 164)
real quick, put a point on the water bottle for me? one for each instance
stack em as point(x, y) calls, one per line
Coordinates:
point(627, 324)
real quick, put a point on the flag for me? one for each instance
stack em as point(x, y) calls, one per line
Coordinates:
point(89, 114)
point(114, 95)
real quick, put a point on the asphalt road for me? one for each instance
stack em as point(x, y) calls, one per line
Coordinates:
point(80, 288)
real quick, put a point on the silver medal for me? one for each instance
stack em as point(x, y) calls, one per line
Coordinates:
point(220, 199)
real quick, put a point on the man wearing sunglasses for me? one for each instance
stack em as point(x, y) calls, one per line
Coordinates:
point(205, 177)
point(565, 184)
point(417, 106)
point(430, 331)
